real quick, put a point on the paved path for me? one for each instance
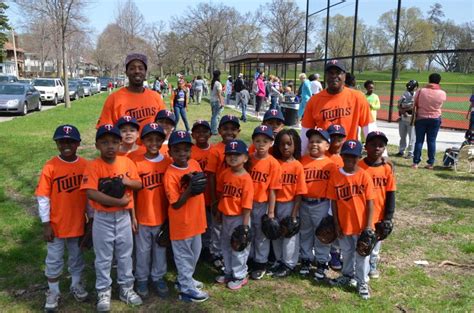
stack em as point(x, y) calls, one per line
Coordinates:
point(5, 117)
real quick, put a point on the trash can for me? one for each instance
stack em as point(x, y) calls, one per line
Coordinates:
point(290, 111)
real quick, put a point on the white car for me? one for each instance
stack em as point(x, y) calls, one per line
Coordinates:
point(51, 89)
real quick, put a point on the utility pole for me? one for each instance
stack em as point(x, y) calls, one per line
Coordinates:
point(14, 52)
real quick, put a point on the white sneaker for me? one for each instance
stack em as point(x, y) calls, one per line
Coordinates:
point(129, 296)
point(364, 292)
point(103, 300)
point(52, 301)
point(79, 292)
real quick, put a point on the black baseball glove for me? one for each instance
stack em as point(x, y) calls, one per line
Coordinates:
point(289, 226)
point(383, 229)
point(163, 236)
point(270, 227)
point(197, 181)
point(85, 242)
point(366, 242)
point(326, 231)
point(241, 237)
point(113, 187)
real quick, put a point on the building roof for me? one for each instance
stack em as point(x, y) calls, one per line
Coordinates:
point(9, 46)
point(268, 57)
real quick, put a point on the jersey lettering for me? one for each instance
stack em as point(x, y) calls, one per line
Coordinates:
point(380, 181)
point(68, 183)
point(315, 175)
point(335, 113)
point(141, 114)
point(288, 179)
point(232, 191)
point(259, 177)
point(152, 180)
point(347, 191)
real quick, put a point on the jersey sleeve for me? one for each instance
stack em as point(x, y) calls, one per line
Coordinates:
point(365, 117)
point(90, 179)
point(275, 175)
point(369, 191)
point(212, 161)
point(132, 170)
point(301, 188)
point(172, 186)
point(247, 195)
point(219, 183)
point(107, 115)
point(331, 167)
point(45, 182)
point(307, 121)
point(391, 182)
point(331, 191)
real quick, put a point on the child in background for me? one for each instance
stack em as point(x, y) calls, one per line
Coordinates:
point(244, 101)
point(167, 120)
point(129, 129)
point(405, 110)
point(179, 102)
point(114, 218)
point(151, 211)
point(383, 179)
point(288, 199)
point(62, 209)
point(235, 188)
point(187, 217)
point(372, 98)
point(350, 189)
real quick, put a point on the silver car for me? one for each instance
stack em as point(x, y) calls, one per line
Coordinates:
point(19, 98)
point(87, 87)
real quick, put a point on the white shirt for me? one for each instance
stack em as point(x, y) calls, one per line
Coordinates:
point(316, 87)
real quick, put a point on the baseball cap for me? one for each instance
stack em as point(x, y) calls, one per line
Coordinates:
point(179, 136)
point(166, 114)
point(236, 147)
point(67, 132)
point(201, 123)
point(273, 114)
point(263, 130)
point(376, 134)
point(352, 147)
point(336, 129)
point(335, 63)
point(127, 119)
point(319, 131)
point(229, 119)
point(136, 56)
point(152, 128)
point(107, 129)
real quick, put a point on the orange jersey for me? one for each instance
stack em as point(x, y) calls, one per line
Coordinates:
point(164, 150)
point(336, 158)
point(317, 173)
point(201, 155)
point(98, 169)
point(60, 181)
point(143, 106)
point(135, 154)
point(292, 181)
point(236, 192)
point(151, 204)
point(266, 175)
point(349, 108)
point(216, 159)
point(190, 219)
point(351, 192)
point(383, 179)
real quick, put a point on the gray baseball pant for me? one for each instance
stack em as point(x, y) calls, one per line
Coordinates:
point(260, 244)
point(404, 129)
point(186, 255)
point(286, 249)
point(149, 254)
point(374, 256)
point(354, 265)
point(235, 262)
point(311, 215)
point(55, 257)
point(206, 236)
point(216, 229)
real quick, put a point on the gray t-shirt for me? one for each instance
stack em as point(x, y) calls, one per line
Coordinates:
point(199, 84)
point(244, 96)
point(216, 90)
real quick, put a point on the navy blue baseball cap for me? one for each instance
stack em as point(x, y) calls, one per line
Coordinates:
point(67, 132)
point(335, 63)
point(166, 114)
point(127, 119)
point(107, 129)
point(179, 136)
point(201, 123)
point(263, 130)
point(319, 131)
point(229, 119)
point(352, 147)
point(273, 114)
point(152, 128)
point(376, 134)
point(336, 129)
point(236, 147)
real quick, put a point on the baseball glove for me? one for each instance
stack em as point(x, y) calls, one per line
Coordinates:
point(85, 242)
point(113, 187)
point(241, 237)
point(197, 181)
point(326, 231)
point(366, 242)
point(163, 236)
point(270, 227)
point(383, 229)
point(289, 227)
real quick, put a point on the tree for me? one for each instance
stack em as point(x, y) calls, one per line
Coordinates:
point(131, 22)
point(435, 13)
point(339, 35)
point(4, 26)
point(156, 33)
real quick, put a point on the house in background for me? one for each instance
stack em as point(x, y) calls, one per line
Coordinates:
point(8, 64)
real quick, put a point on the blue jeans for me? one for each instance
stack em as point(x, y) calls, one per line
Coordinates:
point(430, 128)
point(274, 103)
point(216, 110)
point(244, 110)
point(181, 111)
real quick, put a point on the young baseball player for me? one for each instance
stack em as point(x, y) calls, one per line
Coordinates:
point(273, 118)
point(62, 209)
point(350, 189)
point(266, 174)
point(167, 120)
point(315, 205)
point(129, 129)
point(187, 217)
point(287, 150)
point(384, 182)
point(229, 129)
point(113, 217)
point(151, 210)
point(235, 188)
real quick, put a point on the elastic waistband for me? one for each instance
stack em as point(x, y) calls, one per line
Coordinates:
point(314, 200)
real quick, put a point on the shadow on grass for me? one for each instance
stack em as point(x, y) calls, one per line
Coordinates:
point(456, 202)
point(457, 177)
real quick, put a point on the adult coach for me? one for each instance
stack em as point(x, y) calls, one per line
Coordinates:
point(133, 100)
point(337, 105)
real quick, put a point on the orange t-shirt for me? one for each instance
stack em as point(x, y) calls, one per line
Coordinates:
point(164, 150)
point(349, 108)
point(142, 106)
point(236, 192)
point(97, 169)
point(317, 173)
point(151, 204)
point(351, 193)
point(292, 181)
point(190, 219)
point(60, 181)
point(383, 179)
point(201, 156)
point(336, 158)
point(266, 175)
point(132, 155)
point(216, 159)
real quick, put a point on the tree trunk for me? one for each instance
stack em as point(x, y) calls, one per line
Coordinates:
point(67, 101)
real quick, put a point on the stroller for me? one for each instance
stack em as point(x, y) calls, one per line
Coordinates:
point(462, 158)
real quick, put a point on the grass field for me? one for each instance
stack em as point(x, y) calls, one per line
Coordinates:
point(434, 221)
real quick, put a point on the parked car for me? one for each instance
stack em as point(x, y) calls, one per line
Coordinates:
point(8, 79)
point(104, 83)
point(87, 87)
point(51, 89)
point(95, 84)
point(76, 91)
point(19, 98)
point(25, 81)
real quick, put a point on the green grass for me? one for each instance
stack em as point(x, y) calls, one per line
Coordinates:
point(433, 222)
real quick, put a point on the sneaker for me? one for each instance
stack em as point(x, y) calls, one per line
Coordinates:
point(218, 263)
point(161, 288)
point(103, 300)
point(259, 271)
point(236, 284)
point(129, 296)
point(79, 292)
point(342, 280)
point(283, 271)
point(364, 292)
point(142, 288)
point(199, 285)
point(409, 156)
point(414, 166)
point(194, 296)
point(335, 264)
point(273, 268)
point(399, 154)
point(305, 267)
point(223, 279)
point(52, 301)
point(429, 166)
point(374, 274)
point(320, 273)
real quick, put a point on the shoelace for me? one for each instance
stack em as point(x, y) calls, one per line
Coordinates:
point(129, 293)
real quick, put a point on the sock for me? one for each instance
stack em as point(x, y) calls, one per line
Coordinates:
point(54, 286)
point(75, 280)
